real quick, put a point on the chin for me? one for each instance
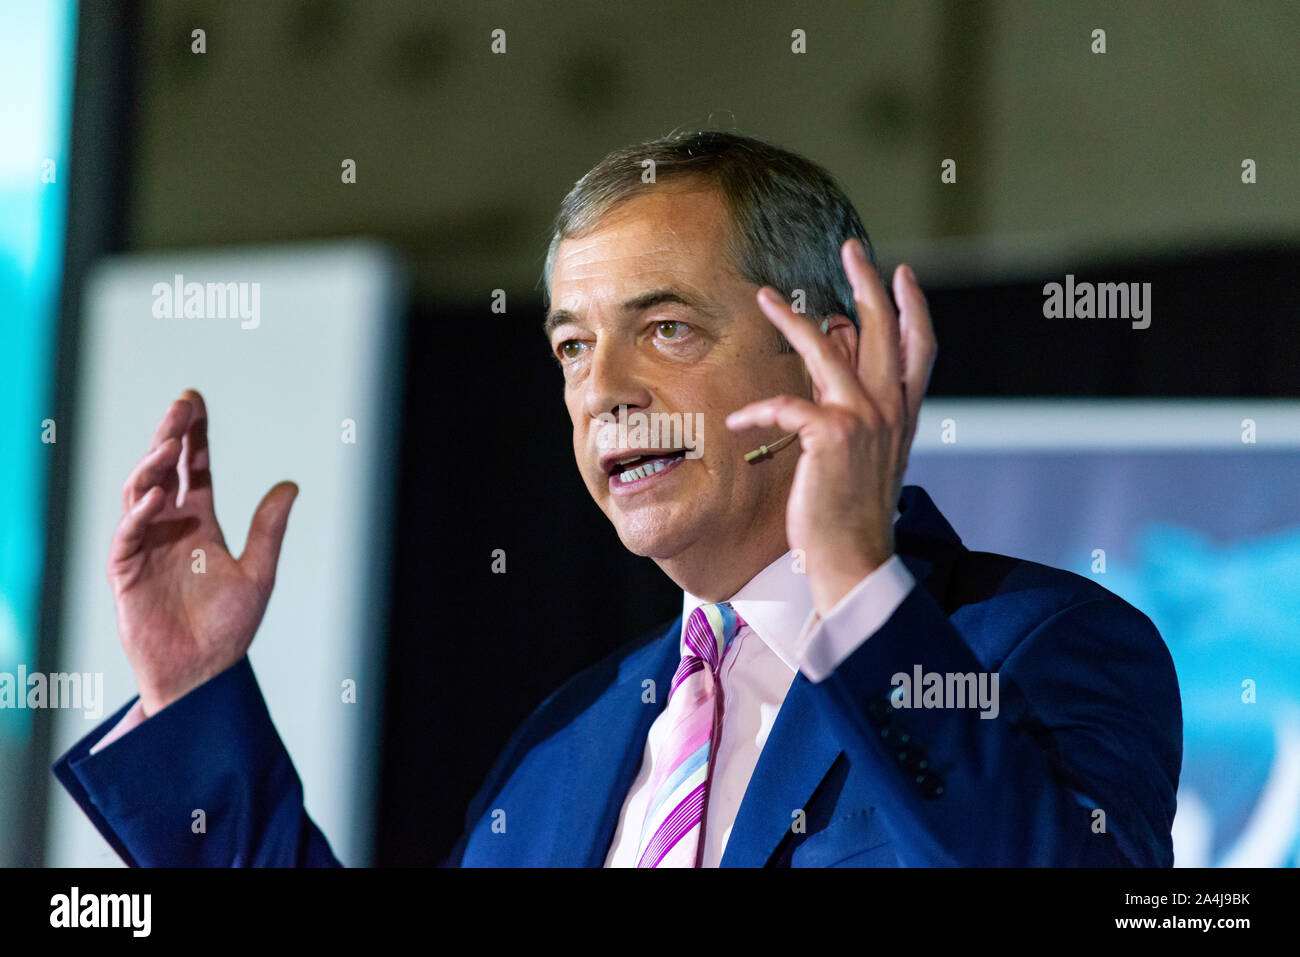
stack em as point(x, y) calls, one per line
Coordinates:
point(656, 536)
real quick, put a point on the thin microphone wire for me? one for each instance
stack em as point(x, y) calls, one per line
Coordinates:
point(763, 450)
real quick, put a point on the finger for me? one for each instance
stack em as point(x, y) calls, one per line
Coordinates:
point(195, 462)
point(788, 412)
point(173, 423)
point(152, 470)
point(921, 345)
point(879, 358)
point(266, 534)
point(834, 377)
point(130, 531)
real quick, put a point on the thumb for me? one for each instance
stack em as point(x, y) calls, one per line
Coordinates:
point(266, 533)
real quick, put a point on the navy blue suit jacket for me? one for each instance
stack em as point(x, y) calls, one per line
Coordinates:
point(1080, 767)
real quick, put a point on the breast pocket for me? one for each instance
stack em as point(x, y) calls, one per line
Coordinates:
point(858, 840)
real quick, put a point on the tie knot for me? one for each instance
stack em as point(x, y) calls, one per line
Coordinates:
point(709, 630)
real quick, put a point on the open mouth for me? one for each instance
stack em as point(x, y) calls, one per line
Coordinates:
point(636, 468)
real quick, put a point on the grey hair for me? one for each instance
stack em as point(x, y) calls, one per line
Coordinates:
point(789, 217)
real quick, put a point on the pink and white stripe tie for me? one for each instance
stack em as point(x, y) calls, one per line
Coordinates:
point(674, 821)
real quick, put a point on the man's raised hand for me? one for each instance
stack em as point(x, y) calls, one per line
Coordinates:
point(186, 608)
point(855, 437)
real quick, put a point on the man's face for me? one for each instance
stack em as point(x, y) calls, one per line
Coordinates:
point(648, 316)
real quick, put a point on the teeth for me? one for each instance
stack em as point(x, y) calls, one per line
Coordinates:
point(641, 471)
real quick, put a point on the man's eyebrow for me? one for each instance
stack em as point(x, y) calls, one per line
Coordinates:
point(639, 303)
point(668, 295)
point(557, 318)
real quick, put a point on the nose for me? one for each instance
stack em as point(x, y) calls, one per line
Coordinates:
point(612, 380)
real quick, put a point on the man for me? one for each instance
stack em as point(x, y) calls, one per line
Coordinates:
point(847, 684)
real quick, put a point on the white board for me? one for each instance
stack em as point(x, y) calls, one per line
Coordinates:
point(325, 348)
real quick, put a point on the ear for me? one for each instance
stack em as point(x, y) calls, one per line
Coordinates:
point(843, 336)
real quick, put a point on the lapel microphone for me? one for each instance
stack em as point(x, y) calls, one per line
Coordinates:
point(763, 451)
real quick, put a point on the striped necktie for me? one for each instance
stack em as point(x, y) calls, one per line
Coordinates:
point(674, 821)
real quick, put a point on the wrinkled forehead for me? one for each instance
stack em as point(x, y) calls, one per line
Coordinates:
point(659, 239)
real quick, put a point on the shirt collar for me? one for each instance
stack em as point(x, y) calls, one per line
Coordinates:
point(775, 603)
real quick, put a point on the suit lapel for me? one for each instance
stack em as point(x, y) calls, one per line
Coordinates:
point(799, 752)
point(796, 756)
point(925, 541)
point(608, 740)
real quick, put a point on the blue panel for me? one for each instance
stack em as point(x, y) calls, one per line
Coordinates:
point(1205, 542)
point(37, 54)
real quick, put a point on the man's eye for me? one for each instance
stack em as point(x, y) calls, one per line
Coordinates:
point(671, 328)
point(569, 349)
